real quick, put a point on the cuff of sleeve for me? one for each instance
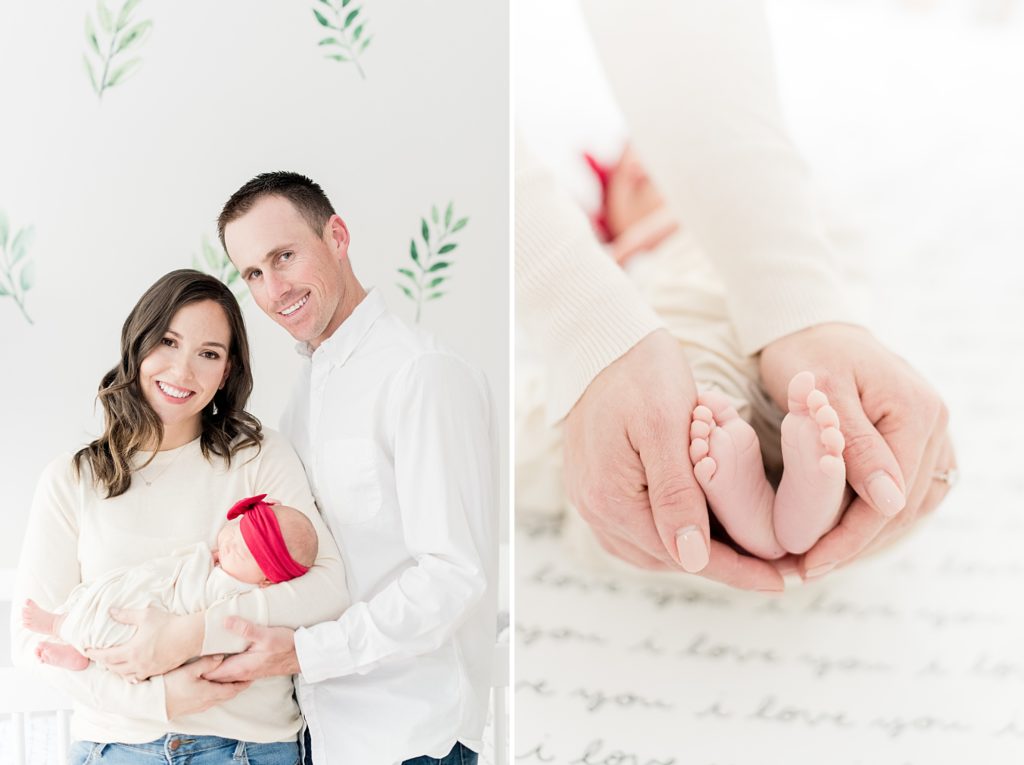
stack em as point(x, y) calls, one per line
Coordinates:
point(780, 309)
point(577, 305)
point(154, 706)
point(323, 652)
point(219, 639)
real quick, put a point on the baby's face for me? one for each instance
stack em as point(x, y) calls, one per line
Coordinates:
point(234, 555)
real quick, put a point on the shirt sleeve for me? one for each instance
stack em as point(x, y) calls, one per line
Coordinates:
point(444, 478)
point(577, 307)
point(696, 83)
point(321, 594)
point(47, 572)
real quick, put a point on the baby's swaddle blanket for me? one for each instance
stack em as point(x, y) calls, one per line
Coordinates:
point(183, 582)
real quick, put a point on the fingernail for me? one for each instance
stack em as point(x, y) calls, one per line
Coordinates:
point(693, 550)
point(885, 494)
point(820, 570)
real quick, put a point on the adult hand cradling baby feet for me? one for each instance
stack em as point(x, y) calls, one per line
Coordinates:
point(899, 457)
point(855, 412)
point(626, 471)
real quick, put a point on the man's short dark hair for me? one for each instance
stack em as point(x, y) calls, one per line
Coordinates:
point(305, 194)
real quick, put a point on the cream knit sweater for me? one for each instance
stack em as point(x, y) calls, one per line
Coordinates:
point(695, 80)
point(76, 535)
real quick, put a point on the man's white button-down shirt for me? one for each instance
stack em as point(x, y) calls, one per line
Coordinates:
point(399, 442)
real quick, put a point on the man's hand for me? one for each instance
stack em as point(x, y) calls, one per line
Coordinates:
point(186, 692)
point(162, 642)
point(271, 652)
point(895, 429)
point(628, 472)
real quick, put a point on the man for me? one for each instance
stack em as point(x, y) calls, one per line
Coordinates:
point(397, 437)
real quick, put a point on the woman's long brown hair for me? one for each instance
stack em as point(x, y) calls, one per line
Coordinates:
point(130, 424)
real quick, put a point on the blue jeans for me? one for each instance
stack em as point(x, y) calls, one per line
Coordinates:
point(178, 749)
point(459, 755)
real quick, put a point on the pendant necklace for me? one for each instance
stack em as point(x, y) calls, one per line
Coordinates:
point(151, 481)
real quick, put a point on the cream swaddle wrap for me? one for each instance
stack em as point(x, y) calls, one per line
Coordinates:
point(184, 582)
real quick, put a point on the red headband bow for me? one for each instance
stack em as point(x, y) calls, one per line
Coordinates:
point(262, 535)
point(603, 173)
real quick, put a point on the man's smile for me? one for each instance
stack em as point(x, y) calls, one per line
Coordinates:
point(294, 306)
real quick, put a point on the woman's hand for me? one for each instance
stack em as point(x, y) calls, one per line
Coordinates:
point(898, 453)
point(628, 473)
point(187, 692)
point(162, 642)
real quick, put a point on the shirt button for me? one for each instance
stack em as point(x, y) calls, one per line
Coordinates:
point(175, 743)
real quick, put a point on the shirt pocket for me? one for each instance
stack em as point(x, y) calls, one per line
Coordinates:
point(350, 479)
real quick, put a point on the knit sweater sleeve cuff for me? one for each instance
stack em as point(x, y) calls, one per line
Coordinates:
point(252, 606)
point(154, 707)
point(576, 305)
point(780, 308)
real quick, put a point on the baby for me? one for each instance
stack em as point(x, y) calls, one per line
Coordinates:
point(727, 455)
point(267, 544)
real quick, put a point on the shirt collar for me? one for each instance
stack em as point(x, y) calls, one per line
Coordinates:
point(346, 338)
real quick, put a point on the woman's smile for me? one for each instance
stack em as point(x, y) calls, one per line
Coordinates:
point(175, 394)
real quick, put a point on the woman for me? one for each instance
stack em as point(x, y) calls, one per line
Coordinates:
point(177, 450)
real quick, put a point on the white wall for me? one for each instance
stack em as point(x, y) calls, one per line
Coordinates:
point(121, 189)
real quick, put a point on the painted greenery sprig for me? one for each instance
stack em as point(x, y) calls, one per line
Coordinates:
point(215, 262)
point(346, 42)
point(430, 267)
point(119, 35)
point(17, 274)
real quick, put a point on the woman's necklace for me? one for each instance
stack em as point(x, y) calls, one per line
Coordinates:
point(171, 461)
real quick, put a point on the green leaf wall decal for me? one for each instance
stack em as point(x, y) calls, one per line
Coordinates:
point(126, 10)
point(109, 69)
point(133, 35)
point(424, 275)
point(215, 262)
point(17, 271)
point(20, 244)
point(106, 22)
point(339, 20)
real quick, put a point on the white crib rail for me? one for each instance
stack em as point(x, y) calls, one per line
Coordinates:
point(23, 694)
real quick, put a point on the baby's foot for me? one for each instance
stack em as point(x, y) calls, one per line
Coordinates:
point(36, 619)
point(727, 462)
point(61, 655)
point(810, 494)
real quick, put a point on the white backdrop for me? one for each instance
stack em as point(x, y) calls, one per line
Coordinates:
point(120, 189)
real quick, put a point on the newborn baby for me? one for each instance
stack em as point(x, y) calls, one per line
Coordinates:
point(265, 545)
point(727, 455)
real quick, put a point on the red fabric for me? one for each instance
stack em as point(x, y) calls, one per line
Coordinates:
point(262, 535)
point(600, 218)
